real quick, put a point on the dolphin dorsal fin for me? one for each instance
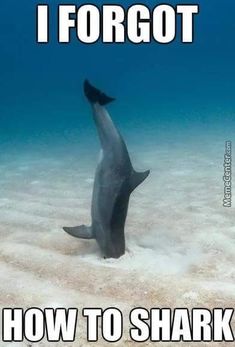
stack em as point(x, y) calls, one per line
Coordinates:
point(137, 178)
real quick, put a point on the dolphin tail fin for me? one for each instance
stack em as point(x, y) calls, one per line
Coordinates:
point(137, 178)
point(82, 232)
point(94, 95)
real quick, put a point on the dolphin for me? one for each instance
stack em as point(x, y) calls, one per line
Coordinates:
point(115, 180)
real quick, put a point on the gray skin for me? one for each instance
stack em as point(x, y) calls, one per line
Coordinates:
point(115, 179)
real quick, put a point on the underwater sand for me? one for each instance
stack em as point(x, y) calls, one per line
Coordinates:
point(180, 240)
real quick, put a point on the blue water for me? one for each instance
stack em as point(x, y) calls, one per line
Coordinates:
point(169, 92)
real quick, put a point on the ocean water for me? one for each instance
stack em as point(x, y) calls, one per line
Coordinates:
point(175, 108)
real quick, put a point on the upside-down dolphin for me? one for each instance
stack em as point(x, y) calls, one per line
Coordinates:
point(115, 180)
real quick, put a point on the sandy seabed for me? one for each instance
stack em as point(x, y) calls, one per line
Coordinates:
point(180, 239)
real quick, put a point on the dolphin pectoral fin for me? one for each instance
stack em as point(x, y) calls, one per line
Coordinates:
point(137, 178)
point(82, 232)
